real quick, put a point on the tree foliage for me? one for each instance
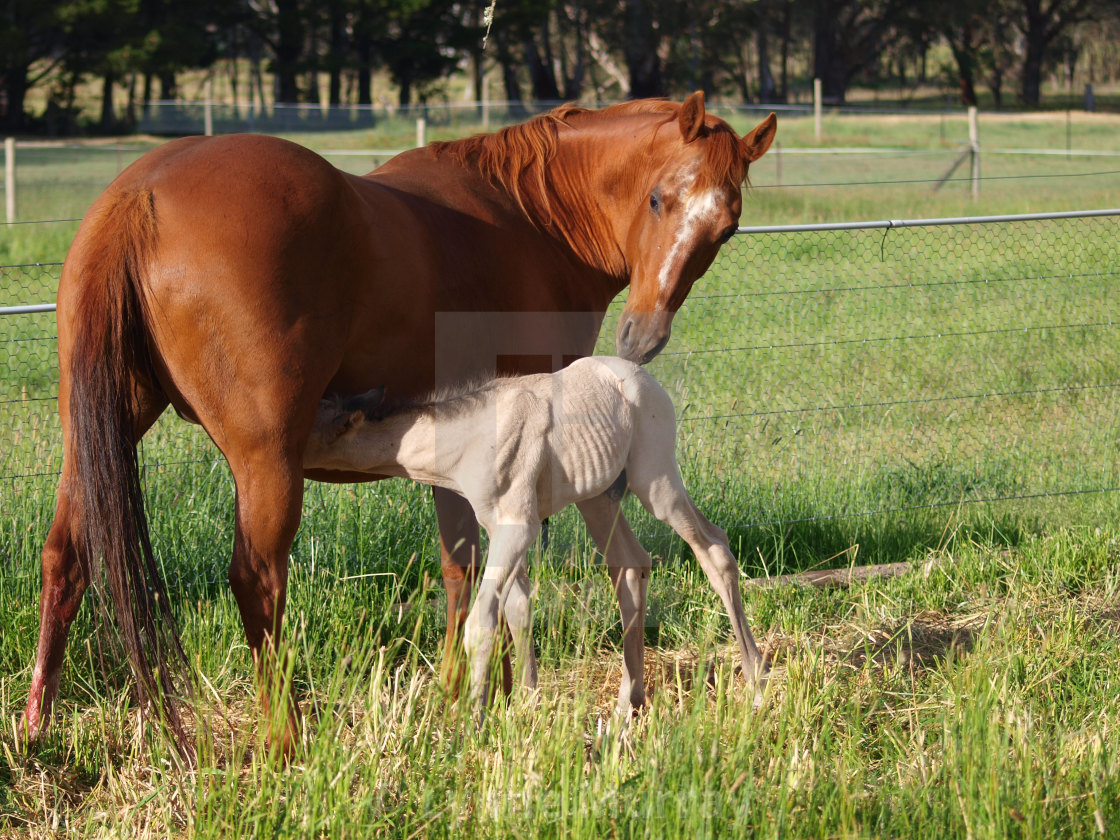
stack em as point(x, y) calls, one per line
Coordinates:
point(753, 50)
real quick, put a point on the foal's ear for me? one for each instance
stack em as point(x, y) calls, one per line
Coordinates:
point(691, 118)
point(366, 404)
point(349, 423)
point(755, 144)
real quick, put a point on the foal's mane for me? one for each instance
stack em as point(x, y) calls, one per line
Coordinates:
point(516, 158)
point(448, 402)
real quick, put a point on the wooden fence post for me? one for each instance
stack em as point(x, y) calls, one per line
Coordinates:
point(974, 147)
point(10, 178)
point(817, 109)
point(208, 110)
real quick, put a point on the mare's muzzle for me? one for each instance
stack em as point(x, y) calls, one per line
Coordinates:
point(642, 335)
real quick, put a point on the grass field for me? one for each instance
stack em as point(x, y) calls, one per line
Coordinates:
point(844, 398)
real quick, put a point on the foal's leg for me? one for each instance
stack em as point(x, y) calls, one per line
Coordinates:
point(269, 499)
point(661, 490)
point(517, 609)
point(628, 565)
point(509, 544)
point(459, 554)
point(65, 577)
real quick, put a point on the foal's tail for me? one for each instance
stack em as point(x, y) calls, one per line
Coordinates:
point(110, 366)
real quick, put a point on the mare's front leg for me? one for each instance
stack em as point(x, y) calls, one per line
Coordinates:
point(459, 562)
point(628, 565)
point(504, 575)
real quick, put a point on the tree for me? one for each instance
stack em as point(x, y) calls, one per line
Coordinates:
point(848, 37)
point(641, 44)
point(1041, 23)
point(424, 44)
point(29, 35)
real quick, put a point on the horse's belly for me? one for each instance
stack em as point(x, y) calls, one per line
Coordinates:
point(587, 458)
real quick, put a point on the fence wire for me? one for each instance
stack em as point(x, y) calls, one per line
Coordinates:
point(825, 374)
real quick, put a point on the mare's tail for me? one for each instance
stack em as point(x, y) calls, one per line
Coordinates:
point(109, 366)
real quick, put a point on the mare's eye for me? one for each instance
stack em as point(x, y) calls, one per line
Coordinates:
point(655, 200)
point(727, 234)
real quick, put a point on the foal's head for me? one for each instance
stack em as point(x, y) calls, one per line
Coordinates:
point(340, 417)
point(691, 198)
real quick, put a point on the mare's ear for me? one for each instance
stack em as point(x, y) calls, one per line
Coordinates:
point(755, 144)
point(692, 116)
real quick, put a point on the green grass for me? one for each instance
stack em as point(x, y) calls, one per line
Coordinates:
point(845, 398)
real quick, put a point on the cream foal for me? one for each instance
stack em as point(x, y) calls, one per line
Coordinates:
point(522, 448)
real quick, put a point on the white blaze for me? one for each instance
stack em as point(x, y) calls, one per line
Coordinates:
point(699, 208)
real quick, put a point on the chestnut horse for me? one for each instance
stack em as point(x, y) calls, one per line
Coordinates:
point(239, 278)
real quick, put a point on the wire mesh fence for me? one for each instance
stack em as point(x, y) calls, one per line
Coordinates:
point(850, 372)
point(824, 374)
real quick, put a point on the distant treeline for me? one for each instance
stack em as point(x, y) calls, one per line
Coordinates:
point(749, 50)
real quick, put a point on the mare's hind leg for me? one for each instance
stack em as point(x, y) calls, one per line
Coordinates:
point(656, 480)
point(65, 578)
point(628, 565)
point(459, 562)
point(269, 501)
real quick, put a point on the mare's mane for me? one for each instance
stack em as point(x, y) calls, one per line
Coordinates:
point(516, 159)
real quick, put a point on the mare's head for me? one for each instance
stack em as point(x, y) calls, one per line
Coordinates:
point(683, 206)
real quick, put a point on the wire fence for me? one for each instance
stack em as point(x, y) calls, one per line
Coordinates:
point(827, 372)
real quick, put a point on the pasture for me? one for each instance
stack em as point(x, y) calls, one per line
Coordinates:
point(943, 398)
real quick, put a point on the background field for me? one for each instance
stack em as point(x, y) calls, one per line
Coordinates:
point(845, 398)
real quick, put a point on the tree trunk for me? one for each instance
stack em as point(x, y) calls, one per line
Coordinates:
point(509, 76)
point(995, 85)
point(477, 59)
point(741, 76)
point(964, 54)
point(573, 75)
point(130, 109)
point(827, 65)
point(541, 74)
point(767, 89)
point(1031, 79)
point(336, 57)
point(289, 41)
point(787, 41)
point(363, 46)
point(640, 48)
point(15, 94)
point(146, 96)
point(168, 88)
point(107, 116)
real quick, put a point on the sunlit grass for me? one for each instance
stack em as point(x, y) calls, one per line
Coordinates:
point(845, 399)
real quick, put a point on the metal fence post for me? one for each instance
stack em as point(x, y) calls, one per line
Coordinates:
point(10, 178)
